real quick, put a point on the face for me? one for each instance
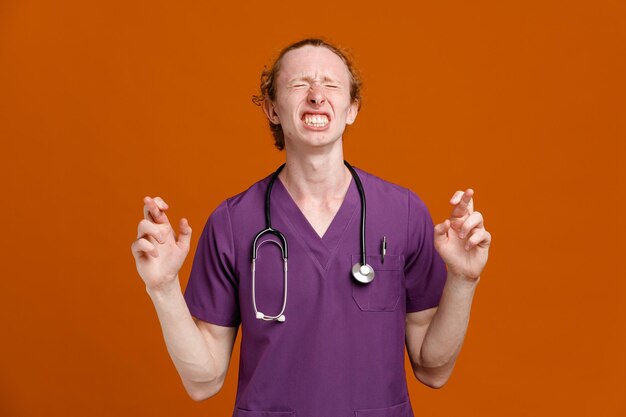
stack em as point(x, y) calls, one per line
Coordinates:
point(313, 104)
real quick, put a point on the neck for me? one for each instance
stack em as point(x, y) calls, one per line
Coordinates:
point(316, 176)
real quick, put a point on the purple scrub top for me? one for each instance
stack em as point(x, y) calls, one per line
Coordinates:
point(340, 351)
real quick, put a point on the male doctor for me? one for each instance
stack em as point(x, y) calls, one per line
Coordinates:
point(338, 348)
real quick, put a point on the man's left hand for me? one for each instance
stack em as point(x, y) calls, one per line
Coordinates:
point(462, 240)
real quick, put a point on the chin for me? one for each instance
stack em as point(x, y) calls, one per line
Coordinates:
point(314, 139)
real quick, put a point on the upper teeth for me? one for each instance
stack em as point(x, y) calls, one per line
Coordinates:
point(317, 120)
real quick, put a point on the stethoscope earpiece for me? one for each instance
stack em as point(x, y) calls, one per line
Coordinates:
point(262, 316)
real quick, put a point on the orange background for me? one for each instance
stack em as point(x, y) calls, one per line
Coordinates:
point(102, 103)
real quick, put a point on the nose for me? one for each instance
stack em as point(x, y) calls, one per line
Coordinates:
point(316, 95)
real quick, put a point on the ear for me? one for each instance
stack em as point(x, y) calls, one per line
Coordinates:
point(352, 112)
point(270, 112)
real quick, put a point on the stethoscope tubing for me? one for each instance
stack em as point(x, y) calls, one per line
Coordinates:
point(282, 311)
point(359, 186)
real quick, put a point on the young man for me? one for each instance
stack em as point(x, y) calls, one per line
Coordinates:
point(324, 336)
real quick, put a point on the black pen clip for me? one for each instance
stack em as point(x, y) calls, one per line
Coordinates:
point(383, 250)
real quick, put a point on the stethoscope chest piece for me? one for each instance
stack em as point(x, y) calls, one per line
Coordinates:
point(363, 273)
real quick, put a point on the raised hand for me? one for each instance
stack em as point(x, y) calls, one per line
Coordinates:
point(462, 240)
point(158, 253)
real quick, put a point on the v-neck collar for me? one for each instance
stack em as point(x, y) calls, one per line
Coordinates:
point(322, 248)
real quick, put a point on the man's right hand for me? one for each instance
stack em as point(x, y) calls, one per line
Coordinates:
point(158, 253)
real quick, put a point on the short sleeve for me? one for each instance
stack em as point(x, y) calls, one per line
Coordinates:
point(425, 271)
point(212, 291)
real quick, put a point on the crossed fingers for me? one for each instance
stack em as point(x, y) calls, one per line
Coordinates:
point(154, 209)
point(463, 203)
point(475, 220)
point(469, 223)
point(154, 227)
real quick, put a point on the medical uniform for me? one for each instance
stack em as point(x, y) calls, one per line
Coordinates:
point(340, 351)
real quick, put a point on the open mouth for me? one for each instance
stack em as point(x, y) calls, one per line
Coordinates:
point(315, 120)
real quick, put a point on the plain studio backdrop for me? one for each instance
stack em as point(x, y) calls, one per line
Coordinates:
point(103, 103)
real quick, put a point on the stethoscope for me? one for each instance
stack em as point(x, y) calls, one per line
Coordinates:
point(362, 272)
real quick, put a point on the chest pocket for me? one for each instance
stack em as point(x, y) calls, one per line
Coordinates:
point(383, 293)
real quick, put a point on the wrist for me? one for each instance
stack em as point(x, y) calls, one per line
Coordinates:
point(462, 282)
point(165, 289)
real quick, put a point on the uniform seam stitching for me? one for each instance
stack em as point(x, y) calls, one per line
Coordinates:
point(231, 243)
point(237, 317)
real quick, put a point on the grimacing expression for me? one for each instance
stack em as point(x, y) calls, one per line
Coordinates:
point(313, 104)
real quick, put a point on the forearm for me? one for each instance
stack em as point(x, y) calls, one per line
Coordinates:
point(444, 337)
point(186, 345)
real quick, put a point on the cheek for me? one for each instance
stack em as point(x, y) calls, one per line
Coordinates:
point(287, 108)
point(343, 109)
point(339, 100)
